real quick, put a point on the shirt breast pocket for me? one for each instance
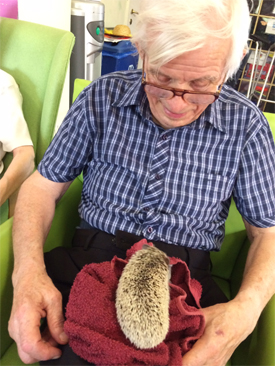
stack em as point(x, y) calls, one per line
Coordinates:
point(112, 187)
point(204, 193)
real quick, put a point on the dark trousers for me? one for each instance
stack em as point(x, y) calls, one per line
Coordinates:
point(94, 246)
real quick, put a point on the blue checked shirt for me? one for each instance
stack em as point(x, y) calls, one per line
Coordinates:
point(171, 185)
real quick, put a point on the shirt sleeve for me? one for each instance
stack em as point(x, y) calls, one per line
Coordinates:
point(71, 147)
point(254, 191)
point(14, 130)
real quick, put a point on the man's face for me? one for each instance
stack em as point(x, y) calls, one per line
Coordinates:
point(201, 70)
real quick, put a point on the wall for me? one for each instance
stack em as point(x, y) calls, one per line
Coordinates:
point(54, 13)
point(116, 12)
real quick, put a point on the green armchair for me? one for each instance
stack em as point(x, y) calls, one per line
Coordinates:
point(228, 266)
point(37, 57)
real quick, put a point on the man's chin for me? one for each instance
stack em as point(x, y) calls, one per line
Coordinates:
point(168, 123)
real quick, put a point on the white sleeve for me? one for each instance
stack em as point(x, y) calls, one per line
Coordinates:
point(13, 127)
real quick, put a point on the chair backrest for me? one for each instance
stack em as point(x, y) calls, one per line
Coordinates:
point(37, 57)
point(271, 119)
point(79, 85)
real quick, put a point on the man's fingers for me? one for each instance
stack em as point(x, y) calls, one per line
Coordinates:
point(24, 328)
point(41, 351)
point(55, 319)
point(196, 356)
point(32, 348)
point(224, 331)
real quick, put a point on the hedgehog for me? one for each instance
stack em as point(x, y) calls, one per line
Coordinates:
point(142, 298)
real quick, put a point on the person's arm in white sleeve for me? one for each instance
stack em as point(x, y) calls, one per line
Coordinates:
point(15, 138)
point(20, 168)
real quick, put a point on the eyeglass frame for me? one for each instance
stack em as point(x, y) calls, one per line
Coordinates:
point(176, 90)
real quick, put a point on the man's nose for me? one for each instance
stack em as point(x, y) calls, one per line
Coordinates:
point(176, 104)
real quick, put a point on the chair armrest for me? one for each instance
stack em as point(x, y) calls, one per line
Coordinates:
point(262, 351)
point(6, 267)
point(66, 218)
point(235, 236)
point(258, 348)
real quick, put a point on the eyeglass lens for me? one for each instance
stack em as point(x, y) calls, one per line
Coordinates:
point(191, 98)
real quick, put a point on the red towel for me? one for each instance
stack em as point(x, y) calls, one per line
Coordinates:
point(93, 329)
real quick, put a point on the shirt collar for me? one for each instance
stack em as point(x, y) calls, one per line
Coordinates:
point(212, 115)
point(136, 96)
point(133, 96)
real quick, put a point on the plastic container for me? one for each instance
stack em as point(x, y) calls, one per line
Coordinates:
point(118, 56)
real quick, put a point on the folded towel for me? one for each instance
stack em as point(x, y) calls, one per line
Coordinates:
point(93, 328)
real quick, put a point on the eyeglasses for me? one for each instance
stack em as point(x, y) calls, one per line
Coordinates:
point(189, 96)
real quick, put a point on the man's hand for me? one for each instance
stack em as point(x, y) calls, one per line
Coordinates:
point(35, 297)
point(226, 326)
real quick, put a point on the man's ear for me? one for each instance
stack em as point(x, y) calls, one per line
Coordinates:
point(140, 51)
point(245, 51)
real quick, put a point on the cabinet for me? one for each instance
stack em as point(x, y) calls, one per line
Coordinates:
point(262, 14)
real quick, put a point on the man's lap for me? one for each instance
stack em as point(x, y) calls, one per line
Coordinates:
point(94, 246)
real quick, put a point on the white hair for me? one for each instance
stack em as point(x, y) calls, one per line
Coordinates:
point(166, 30)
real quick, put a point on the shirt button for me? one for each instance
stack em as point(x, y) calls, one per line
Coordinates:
point(158, 177)
point(146, 208)
point(150, 230)
point(164, 137)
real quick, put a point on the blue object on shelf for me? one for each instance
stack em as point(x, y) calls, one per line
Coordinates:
point(118, 56)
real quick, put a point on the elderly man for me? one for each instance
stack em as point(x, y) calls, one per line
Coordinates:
point(162, 152)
